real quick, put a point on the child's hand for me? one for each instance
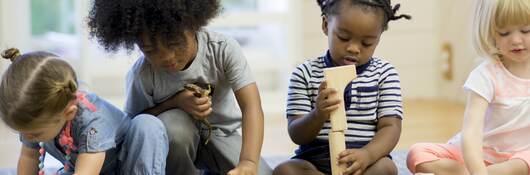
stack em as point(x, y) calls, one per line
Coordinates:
point(244, 168)
point(198, 107)
point(357, 160)
point(327, 101)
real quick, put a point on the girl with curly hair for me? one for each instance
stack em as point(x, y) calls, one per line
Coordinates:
point(178, 51)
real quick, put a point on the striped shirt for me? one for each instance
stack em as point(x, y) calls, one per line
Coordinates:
point(374, 94)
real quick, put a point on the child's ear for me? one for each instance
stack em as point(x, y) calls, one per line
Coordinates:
point(70, 111)
point(325, 25)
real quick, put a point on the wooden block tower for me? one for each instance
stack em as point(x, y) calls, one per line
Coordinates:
point(338, 78)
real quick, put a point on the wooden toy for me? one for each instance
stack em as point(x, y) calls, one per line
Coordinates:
point(338, 78)
point(202, 90)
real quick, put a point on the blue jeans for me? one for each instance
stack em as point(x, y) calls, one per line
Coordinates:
point(145, 147)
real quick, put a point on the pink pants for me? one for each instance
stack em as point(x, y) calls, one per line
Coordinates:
point(427, 152)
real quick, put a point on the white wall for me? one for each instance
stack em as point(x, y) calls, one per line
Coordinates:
point(412, 47)
point(1, 34)
point(455, 23)
point(15, 22)
point(313, 42)
point(15, 29)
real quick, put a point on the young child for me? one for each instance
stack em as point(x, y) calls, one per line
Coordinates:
point(494, 137)
point(372, 101)
point(40, 100)
point(177, 52)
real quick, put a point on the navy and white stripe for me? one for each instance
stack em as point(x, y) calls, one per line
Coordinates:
point(374, 94)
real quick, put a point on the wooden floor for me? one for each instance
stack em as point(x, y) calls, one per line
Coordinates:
point(430, 121)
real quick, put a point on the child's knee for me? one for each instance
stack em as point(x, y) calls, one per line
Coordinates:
point(416, 153)
point(147, 128)
point(442, 166)
point(415, 150)
point(383, 166)
point(148, 123)
point(182, 136)
point(284, 168)
point(295, 167)
point(280, 169)
point(420, 147)
point(168, 117)
point(180, 127)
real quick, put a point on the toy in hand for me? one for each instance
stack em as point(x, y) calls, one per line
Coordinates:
point(202, 90)
point(338, 78)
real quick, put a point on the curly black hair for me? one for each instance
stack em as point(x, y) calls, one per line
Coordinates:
point(120, 23)
point(331, 7)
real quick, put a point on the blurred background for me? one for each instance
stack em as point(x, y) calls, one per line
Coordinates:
point(432, 53)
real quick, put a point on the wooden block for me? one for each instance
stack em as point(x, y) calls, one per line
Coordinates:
point(338, 78)
point(337, 144)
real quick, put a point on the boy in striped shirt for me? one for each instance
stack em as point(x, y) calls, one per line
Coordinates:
point(372, 101)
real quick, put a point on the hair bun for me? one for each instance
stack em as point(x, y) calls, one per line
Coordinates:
point(11, 54)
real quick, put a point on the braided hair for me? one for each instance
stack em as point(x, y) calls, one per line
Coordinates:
point(331, 7)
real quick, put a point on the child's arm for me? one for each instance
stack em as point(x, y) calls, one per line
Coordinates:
point(249, 101)
point(28, 163)
point(304, 129)
point(197, 107)
point(383, 142)
point(472, 133)
point(89, 163)
point(139, 100)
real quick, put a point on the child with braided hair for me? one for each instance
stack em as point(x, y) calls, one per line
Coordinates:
point(40, 100)
point(372, 101)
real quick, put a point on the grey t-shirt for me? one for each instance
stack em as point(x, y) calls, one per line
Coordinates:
point(219, 62)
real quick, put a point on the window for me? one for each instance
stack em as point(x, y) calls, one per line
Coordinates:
point(239, 5)
point(52, 16)
point(53, 28)
point(262, 29)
